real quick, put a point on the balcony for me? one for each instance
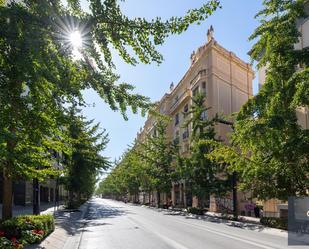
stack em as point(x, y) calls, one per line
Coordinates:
point(181, 98)
point(198, 77)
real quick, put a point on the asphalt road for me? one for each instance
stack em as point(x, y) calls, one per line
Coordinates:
point(115, 225)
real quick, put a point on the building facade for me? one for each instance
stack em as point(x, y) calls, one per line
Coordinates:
point(50, 190)
point(226, 80)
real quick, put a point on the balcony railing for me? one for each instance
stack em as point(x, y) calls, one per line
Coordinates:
point(181, 98)
point(200, 74)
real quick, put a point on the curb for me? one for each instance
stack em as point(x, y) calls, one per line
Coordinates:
point(239, 223)
point(206, 215)
point(73, 241)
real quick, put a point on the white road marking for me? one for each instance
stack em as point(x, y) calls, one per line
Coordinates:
point(169, 241)
point(176, 245)
point(229, 236)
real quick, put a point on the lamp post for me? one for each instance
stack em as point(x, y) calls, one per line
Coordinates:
point(234, 175)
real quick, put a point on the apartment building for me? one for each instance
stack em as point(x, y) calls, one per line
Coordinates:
point(274, 207)
point(50, 190)
point(227, 82)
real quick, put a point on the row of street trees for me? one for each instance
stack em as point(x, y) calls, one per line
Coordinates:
point(155, 163)
point(268, 149)
point(146, 165)
point(40, 80)
point(85, 162)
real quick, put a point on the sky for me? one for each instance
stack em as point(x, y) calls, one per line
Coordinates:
point(233, 24)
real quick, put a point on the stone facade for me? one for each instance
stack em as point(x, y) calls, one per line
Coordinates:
point(227, 82)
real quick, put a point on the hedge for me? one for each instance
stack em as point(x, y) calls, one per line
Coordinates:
point(22, 230)
point(280, 223)
point(194, 210)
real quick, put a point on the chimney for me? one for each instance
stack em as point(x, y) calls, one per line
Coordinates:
point(192, 57)
point(171, 86)
point(210, 33)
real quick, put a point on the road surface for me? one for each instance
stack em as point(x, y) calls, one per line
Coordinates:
point(115, 225)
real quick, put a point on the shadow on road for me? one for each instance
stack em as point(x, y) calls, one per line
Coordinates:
point(97, 211)
point(92, 214)
point(221, 220)
point(70, 221)
point(237, 224)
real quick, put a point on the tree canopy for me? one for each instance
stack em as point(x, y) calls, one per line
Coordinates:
point(269, 145)
point(85, 162)
point(147, 166)
point(40, 77)
point(36, 58)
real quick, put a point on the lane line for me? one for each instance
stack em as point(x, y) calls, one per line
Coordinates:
point(169, 241)
point(214, 231)
point(231, 236)
point(237, 238)
point(224, 234)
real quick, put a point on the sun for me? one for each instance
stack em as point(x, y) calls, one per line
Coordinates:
point(73, 35)
point(76, 39)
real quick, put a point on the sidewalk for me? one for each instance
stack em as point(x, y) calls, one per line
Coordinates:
point(46, 208)
point(67, 230)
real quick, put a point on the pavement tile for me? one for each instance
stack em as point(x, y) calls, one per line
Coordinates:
point(67, 224)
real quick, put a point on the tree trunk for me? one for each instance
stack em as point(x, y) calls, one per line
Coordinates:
point(79, 198)
point(158, 199)
point(70, 202)
point(36, 197)
point(7, 196)
point(152, 199)
point(235, 204)
point(7, 205)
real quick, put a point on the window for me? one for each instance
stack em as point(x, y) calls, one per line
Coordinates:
point(204, 115)
point(176, 141)
point(195, 91)
point(185, 134)
point(186, 108)
point(154, 132)
point(176, 138)
point(204, 87)
point(177, 119)
point(176, 99)
point(162, 109)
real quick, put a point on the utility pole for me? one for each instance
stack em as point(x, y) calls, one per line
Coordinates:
point(234, 175)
